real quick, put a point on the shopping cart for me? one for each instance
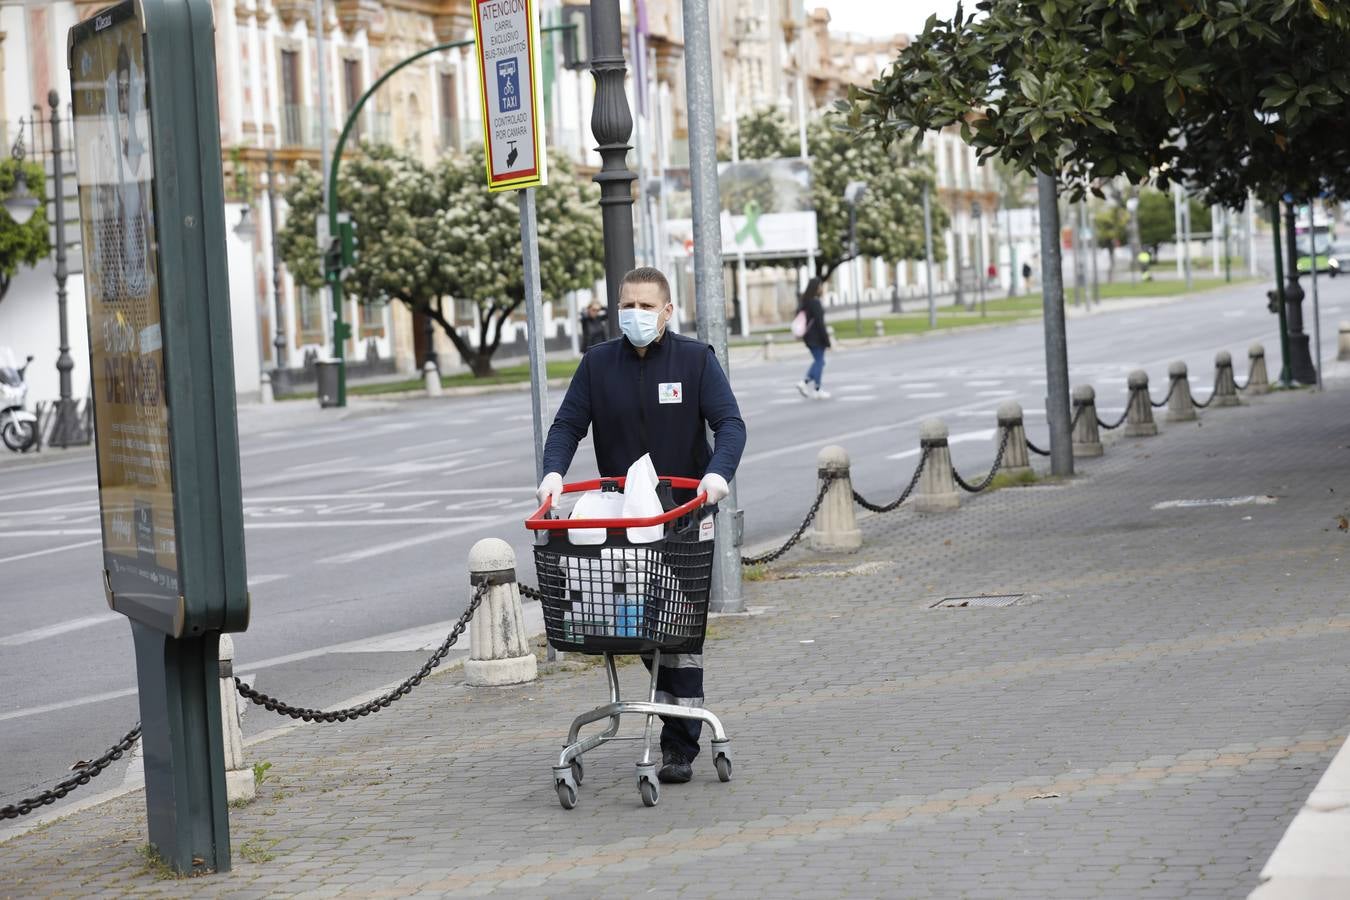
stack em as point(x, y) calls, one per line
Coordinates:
point(619, 597)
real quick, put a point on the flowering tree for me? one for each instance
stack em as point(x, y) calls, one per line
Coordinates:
point(427, 237)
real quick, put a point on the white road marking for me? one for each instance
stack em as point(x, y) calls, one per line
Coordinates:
point(53, 532)
point(357, 523)
point(396, 546)
point(859, 398)
point(382, 487)
point(49, 550)
point(47, 492)
point(1003, 393)
point(255, 580)
point(984, 384)
point(38, 634)
point(67, 704)
point(917, 385)
point(324, 464)
point(1263, 500)
point(785, 400)
point(415, 447)
point(964, 437)
point(934, 395)
point(814, 443)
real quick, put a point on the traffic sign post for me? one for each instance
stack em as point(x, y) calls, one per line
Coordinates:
point(147, 139)
point(507, 47)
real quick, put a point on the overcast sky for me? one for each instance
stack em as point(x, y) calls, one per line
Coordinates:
point(885, 17)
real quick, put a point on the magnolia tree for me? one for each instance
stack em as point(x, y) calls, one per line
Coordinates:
point(428, 237)
point(26, 244)
point(890, 214)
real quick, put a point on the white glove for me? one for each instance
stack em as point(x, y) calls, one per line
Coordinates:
point(715, 486)
point(550, 487)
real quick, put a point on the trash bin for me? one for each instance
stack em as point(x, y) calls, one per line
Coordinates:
point(327, 372)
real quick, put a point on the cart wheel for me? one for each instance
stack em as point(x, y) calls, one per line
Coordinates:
point(578, 772)
point(567, 795)
point(650, 792)
point(723, 764)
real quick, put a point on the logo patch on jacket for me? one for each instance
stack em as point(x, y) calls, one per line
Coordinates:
point(671, 392)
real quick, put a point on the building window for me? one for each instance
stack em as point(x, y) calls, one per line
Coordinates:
point(449, 112)
point(292, 113)
point(311, 316)
point(351, 91)
point(372, 320)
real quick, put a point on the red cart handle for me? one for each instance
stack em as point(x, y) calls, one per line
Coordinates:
point(538, 522)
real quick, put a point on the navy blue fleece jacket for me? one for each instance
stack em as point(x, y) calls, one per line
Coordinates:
point(658, 403)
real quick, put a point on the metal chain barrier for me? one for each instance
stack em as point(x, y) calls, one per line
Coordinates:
point(1199, 405)
point(993, 470)
point(1037, 450)
point(825, 482)
point(384, 701)
point(1170, 391)
point(86, 772)
point(1119, 422)
point(1242, 387)
point(904, 495)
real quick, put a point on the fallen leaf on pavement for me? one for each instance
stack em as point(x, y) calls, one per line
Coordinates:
point(1045, 796)
point(1343, 523)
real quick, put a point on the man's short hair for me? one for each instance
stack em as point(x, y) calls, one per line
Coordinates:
point(647, 275)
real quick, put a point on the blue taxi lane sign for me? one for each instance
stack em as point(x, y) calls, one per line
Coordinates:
point(508, 84)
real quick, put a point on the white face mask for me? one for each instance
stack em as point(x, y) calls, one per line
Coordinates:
point(640, 326)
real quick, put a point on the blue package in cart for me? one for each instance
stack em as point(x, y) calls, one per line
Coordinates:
point(628, 617)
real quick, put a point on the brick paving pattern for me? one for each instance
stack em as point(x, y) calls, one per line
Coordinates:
point(1144, 723)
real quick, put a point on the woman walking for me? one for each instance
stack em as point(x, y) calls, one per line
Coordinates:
point(816, 337)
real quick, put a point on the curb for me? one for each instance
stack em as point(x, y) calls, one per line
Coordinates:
point(1310, 859)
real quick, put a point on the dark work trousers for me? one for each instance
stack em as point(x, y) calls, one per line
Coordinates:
point(679, 683)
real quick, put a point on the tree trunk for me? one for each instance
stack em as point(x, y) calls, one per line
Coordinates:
point(480, 364)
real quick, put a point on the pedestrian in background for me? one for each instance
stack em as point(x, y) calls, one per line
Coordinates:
point(593, 326)
point(816, 338)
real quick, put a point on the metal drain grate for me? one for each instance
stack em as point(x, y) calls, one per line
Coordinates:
point(981, 600)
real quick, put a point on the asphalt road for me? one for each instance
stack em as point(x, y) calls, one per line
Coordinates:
point(358, 530)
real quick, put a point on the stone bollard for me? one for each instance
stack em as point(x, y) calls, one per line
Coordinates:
point(937, 486)
point(1180, 405)
point(1225, 388)
point(1343, 342)
point(1258, 379)
point(1139, 413)
point(499, 651)
point(265, 394)
point(1087, 439)
point(239, 781)
point(1016, 460)
point(880, 328)
point(768, 347)
point(836, 528)
point(431, 378)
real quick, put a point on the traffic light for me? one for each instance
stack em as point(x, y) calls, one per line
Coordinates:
point(577, 40)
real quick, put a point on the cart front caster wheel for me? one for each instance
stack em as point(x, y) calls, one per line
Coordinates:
point(651, 794)
point(567, 795)
point(578, 771)
point(723, 764)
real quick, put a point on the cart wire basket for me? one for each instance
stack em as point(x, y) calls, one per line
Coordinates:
point(616, 597)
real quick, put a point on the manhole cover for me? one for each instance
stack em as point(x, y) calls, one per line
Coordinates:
point(981, 600)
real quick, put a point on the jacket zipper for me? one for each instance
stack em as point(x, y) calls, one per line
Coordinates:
point(642, 405)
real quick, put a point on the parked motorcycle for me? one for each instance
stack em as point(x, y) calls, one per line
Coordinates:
point(18, 427)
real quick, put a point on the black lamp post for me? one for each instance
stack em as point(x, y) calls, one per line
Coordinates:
point(612, 124)
point(1300, 357)
point(977, 213)
point(279, 385)
point(66, 424)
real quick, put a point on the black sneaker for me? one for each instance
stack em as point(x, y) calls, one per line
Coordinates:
point(675, 769)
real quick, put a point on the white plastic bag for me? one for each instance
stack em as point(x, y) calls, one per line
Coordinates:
point(595, 505)
point(640, 500)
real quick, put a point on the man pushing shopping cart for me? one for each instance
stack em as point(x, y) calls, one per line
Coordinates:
point(655, 392)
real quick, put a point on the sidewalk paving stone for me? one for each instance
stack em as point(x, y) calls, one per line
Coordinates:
point(1144, 724)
